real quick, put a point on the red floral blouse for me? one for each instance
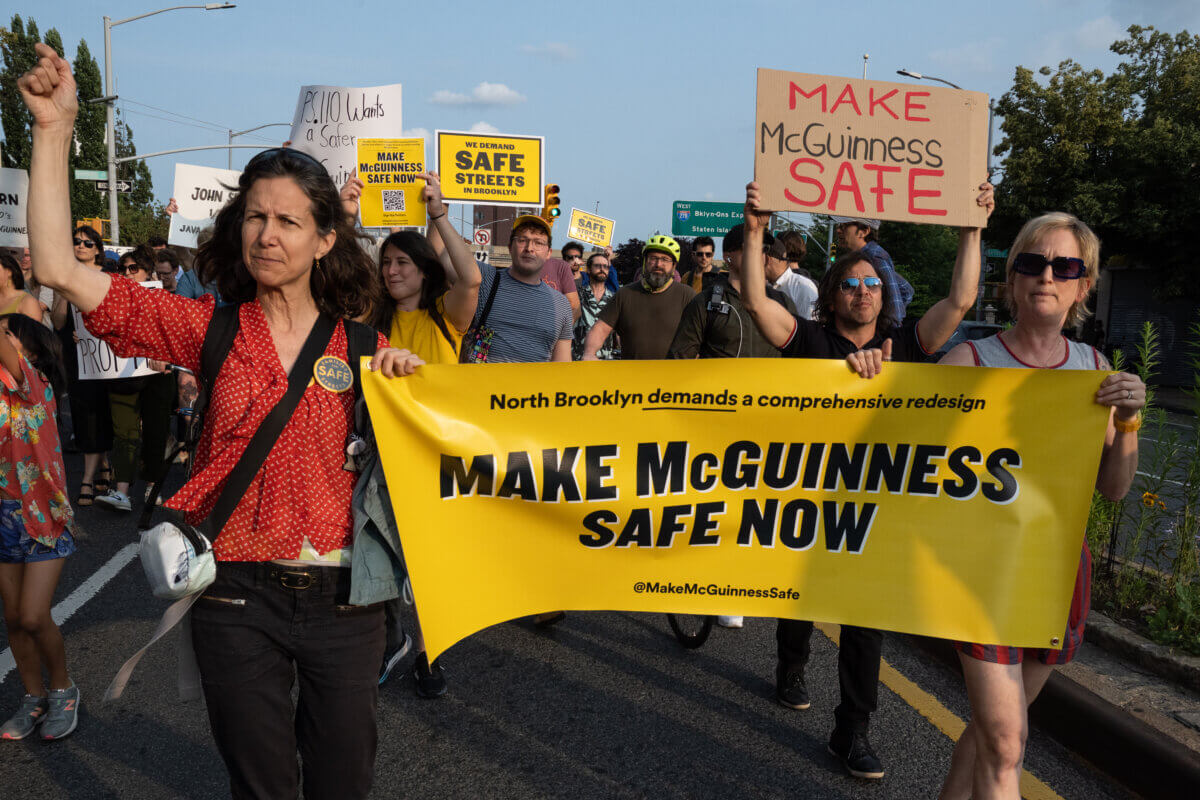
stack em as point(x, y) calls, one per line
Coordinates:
point(301, 490)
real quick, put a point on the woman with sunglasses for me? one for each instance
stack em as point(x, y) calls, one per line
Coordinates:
point(278, 612)
point(1052, 267)
point(91, 415)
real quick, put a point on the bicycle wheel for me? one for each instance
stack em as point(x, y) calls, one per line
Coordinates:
point(691, 629)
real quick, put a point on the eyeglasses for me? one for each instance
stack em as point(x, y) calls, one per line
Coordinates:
point(851, 284)
point(1064, 268)
point(88, 243)
point(526, 241)
point(659, 260)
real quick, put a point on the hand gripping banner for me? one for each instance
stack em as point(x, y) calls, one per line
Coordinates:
point(944, 501)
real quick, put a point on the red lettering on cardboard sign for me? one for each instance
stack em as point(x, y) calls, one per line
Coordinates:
point(794, 90)
point(847, 96)
point(879, 190)
point(910, 106)
point(914, 192)
point(845, 170)
point(873, 101)
point(805, 179)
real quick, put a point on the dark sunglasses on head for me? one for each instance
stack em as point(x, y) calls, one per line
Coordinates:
point(286, 152)
point(851, 284)
point(88, 243)
point(1063, 267)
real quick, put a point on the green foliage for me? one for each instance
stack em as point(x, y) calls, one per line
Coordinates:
point(16, 48)
point(1121, 151)
point(627, 258)
point(89, 151)
point(924, 255)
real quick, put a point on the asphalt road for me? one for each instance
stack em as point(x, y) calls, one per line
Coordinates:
point(604, 705)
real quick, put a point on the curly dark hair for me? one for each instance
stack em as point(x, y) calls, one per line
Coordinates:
point(346, 285)
point(14, 269)
point(828, 290)
point(434, 285)
point(42, 348)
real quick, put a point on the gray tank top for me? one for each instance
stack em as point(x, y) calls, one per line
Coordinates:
point(991, 352)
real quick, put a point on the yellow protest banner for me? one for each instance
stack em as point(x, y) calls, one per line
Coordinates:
point(590, 228)
point(944, 501)
point(491, 168)
point(391, 193)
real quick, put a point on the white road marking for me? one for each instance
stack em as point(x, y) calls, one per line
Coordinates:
point(75, 600)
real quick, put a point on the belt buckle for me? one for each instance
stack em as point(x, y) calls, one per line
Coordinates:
point(295, 580)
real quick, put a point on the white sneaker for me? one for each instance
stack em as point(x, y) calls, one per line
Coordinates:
point(114, 501)
point(724, 622)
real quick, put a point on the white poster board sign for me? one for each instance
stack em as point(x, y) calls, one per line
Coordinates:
point(329, 121)
point(97, 361)
point(14, 194)
point(200, 192)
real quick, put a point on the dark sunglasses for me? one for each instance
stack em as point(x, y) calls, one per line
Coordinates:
point(286, 152)
point(1063, 267)
point(88, 243)
point(851, 284)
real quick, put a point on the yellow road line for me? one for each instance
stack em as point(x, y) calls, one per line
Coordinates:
point(942, 718)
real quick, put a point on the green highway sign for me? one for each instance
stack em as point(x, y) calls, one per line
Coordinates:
point(91, 175)
point(690, 218)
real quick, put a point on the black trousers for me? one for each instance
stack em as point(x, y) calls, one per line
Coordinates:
point(258, 629)
point(858, 668)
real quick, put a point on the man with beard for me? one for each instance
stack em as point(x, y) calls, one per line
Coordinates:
point(645, 314)
point(855, 234)
point(530, 321)
point(594, 295)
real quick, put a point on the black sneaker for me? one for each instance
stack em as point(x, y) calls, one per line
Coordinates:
point(856, 755)
point(429, 681)
point(790, 690)
point(392, 657)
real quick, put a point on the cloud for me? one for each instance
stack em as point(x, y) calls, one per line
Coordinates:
point(483, 127)
point(974, 56)
point(558, 51)
point(1098, 34)
point(485, 94)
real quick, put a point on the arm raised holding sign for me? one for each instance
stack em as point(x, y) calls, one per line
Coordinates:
point(49, 92)
point(462, 275)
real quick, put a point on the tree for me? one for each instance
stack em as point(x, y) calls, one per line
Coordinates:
point(89, 151)
point(627, 258)
point(16, 46)
point(924, 255)
point(1121, 151)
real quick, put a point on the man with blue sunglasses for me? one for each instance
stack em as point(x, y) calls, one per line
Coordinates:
point(853, 314)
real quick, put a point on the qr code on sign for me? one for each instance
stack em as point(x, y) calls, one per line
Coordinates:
point(393, 200)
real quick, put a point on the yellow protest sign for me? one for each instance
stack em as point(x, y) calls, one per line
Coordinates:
point(944, 501)
point(590, 228)
point(391, 193)
point(491, 168)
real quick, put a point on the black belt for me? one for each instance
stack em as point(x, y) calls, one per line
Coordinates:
point(296, 578)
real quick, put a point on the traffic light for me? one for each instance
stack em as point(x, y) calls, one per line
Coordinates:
point(550, 209)
point(832, 252)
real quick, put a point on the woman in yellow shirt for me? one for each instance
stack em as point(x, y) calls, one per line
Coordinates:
point(433, 306)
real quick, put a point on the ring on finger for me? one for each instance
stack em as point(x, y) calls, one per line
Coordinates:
point(1129, 395)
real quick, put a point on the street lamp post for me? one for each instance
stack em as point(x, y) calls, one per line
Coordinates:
point(991, 113)
point(233, 133)
point(110, 127)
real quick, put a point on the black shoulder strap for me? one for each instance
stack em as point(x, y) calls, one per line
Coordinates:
point(487, 307)
point(264, 438)
point(218, 340)
point(716, 296)
point(361, 340)
point(441, 324)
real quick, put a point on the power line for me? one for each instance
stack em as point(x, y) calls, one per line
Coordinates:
point(209, 123)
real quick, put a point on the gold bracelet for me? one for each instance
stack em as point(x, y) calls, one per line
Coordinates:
point(1128, 427)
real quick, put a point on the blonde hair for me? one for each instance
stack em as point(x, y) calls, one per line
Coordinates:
point(1089, 249)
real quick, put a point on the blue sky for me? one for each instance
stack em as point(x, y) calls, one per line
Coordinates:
point(641, 103)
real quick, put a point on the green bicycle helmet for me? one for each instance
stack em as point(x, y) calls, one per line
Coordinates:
point(663, 244)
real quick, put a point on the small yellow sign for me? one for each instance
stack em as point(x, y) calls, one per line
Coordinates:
point(590, 228)
point(391, 194)
point(491, 168)
point(333, 374)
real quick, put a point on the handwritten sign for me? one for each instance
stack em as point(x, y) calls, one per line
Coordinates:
point(329, 120)
point(14, 194)
point(871, 149)
point(491, 168)
point(97, 361)
point(590, 228)
point(200, 192)
point(391, 194)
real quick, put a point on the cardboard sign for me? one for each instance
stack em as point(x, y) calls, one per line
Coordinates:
point(97, 361)
point(921, 501)
point(14, 196)
point(873, 149)
point(491, 168)
point(329, 121)
point(200, 192)
point(391, 194)
point(590, 228)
